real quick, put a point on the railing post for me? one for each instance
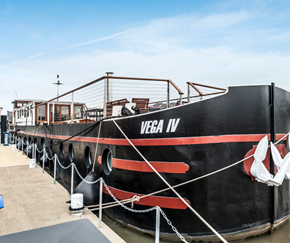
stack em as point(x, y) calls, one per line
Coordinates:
point(72, 107)
point(100, 202)
point(26, 150)
point(22, 146)
point(157, 228)
point(72, 179)
point(52, 112)
point(48, 115)
point(32, 151)
point(35, 147)
point(43, 159)
point(168, 94)
point(54, 169)
point(188, 93)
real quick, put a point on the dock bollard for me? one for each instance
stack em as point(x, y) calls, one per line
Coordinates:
point(32, 163)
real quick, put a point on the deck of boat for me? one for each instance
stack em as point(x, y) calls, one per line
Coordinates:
point(32, 201)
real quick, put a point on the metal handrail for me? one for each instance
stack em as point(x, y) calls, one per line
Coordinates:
point(112, 77)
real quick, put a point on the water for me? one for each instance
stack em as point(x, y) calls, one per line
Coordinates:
point(279, 236)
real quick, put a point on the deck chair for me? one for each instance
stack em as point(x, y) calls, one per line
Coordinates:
point(142, 104)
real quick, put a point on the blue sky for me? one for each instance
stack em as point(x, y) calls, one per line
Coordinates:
point(218, 43)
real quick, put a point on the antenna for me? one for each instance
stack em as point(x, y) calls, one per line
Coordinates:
point(16, 95)
point(58, 84)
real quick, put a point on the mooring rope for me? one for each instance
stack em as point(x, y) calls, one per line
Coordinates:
point(211, 173)
point(177, 194)
point(97, 146)
point(125, 201)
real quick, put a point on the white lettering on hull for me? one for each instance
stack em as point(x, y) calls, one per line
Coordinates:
point(156, 126)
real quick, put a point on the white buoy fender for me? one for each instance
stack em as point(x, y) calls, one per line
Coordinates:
point(14, 147)
point(77, 201)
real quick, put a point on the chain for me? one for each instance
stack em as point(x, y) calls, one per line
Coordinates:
point(125, 207)
point(48, 157)
point(63, 166)
point(173, 228)
point(88, 182)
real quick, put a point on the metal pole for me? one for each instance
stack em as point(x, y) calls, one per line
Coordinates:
point(100, 202)
point(27, 145)
point(105, 99)
point(32, 152)
point(43, 159)
point(109, 87)
point(54, 174)
point(35, 147)
point(188, 93)
point(72, 179)
point(52, 112)
point(48, 114)
point(157, 229)
point(168, 94)
point(72, 107)
point(273, 190)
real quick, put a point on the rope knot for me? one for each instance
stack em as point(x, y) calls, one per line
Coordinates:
point(134, 198)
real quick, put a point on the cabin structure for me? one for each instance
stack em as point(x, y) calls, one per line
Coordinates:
point(33, 112)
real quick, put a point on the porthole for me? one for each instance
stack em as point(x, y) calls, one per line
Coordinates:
point(61, 150)
point(51, 148)
point(43, 143)
point(107, 161)
point(88, 157)
point(71, 152)
point(35, 142)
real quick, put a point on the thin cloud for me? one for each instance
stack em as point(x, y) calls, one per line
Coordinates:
point(97, 40)
point(37, 55)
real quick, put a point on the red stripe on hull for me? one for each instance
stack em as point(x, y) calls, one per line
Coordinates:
point(152, 201)
point(142, 166)
point(166, 141)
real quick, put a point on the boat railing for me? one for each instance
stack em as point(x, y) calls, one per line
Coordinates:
point(197, 91)
point(96, 99)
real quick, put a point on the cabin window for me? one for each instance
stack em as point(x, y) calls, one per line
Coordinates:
point(18, 114)
point(64, 113)
point(88, 157)
point(41, 113)
point(78, 112)
point(21, 112)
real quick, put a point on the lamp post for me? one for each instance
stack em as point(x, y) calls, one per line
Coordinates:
point(58, 83)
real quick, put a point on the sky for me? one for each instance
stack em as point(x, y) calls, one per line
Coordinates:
point(219, 43)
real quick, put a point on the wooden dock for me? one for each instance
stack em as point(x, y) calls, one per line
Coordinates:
point(32, 201)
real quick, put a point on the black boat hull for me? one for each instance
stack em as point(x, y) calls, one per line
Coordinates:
point(191, 141)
